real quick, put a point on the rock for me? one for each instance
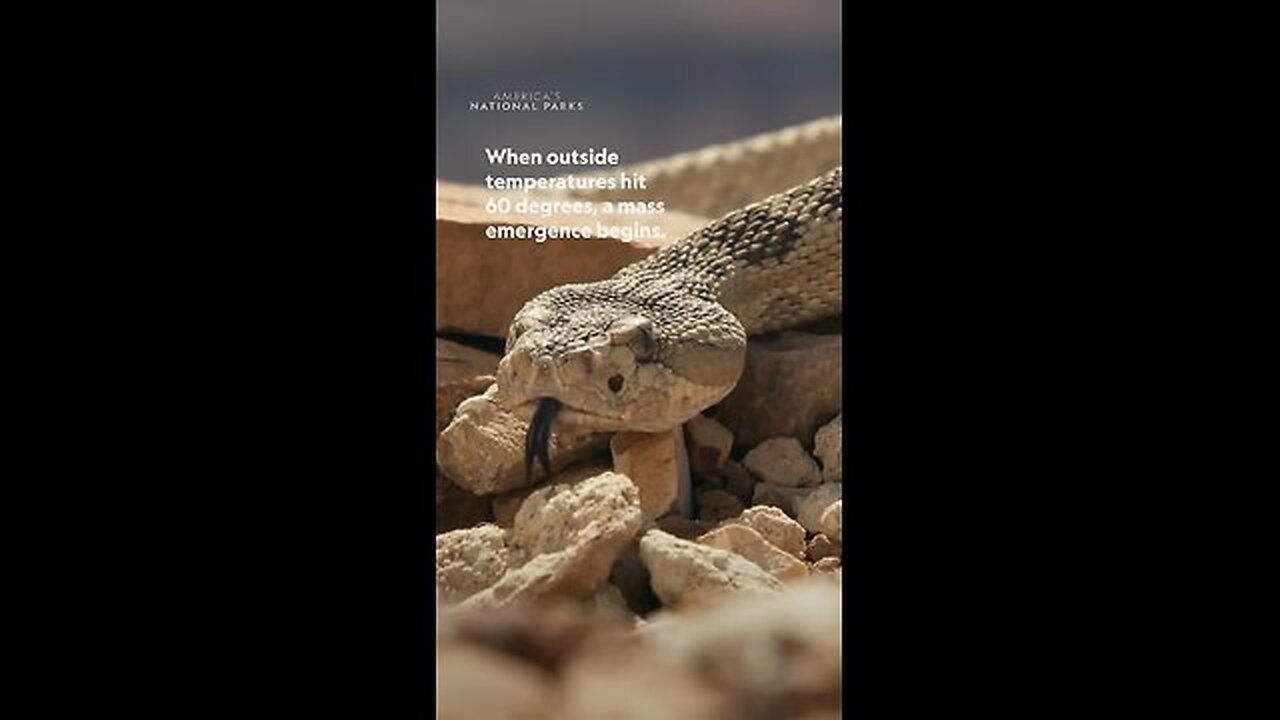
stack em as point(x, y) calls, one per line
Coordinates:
point(507, 504)
point(685, 573)
point(754, 657)
point(450, 395)
point(738, 481)
point(482, 450)
point(455, 361)
point(629, 681)
point(751, 545)
point(461, 372)
point(467, 301)
point(468, 561)
point(827, 446)
point(786, 499)
point(717, 505)
point(475, 682)
point(553, 518)
point(821, 547)
point(545, 634)
point(572, 535)
point(783, 461)
point(544, 576)
point(709, 445)
point(456, 508)
point(775, 527)
point(683, 527)
point(829, 565)
point(610, 603)
point(832, 520)
point(789, 388)
point(653, 462)
point(775, 656)
point(809, 508)
point(631, 578)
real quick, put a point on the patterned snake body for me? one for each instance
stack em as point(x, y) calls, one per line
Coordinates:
point(665, 338)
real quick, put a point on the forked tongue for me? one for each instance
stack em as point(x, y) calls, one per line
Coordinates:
point(537, 441)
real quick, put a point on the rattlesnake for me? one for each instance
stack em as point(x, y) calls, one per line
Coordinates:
point(665, 338)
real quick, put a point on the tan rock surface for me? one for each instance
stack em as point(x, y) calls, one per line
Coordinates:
point(786, 499)
point(821, 547)
point(809, 509)
point(452, 394)
point(789, 388)
point(507, 504)
point(829, 565)
point(783, 461)
point(545, 634)
point(751, 545)
point(774, 526)
point(770, 656)
point(461, 372)
point(774, 655)
point(629, 682)
point(686, 573)
point(572, 534)
point(827, 447)
point(482, 450)
point(476, 682)
point(466, 260)
point(653, 462)
point(468, 561)
point(709, 445)
point(832, 520)
point(610, 602)
point(455, 361)
point(553, 518)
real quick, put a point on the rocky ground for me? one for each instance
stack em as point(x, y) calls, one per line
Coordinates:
point(595, 595)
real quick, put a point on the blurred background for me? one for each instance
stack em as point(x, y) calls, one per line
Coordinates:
point(657, 76)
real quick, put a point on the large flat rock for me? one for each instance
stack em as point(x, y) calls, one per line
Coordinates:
point(790, 387)
point(482, 283)
point(461, 372)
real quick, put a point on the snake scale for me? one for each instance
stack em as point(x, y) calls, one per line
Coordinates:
point(665, 337)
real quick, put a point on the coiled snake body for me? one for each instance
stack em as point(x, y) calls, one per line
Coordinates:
point(665, 338)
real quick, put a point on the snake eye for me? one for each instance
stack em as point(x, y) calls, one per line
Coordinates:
point(643, 345)
point(615, 383)
point(637, 334)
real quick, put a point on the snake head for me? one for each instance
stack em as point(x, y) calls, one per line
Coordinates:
point(618, 356)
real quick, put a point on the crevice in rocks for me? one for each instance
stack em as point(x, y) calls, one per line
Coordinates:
point(479, 342)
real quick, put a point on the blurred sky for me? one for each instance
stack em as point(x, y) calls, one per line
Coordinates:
point(658, 76)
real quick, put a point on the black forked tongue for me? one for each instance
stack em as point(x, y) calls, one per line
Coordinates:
point(538, 440)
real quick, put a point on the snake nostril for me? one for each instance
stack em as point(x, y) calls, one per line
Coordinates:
point(615, 383)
